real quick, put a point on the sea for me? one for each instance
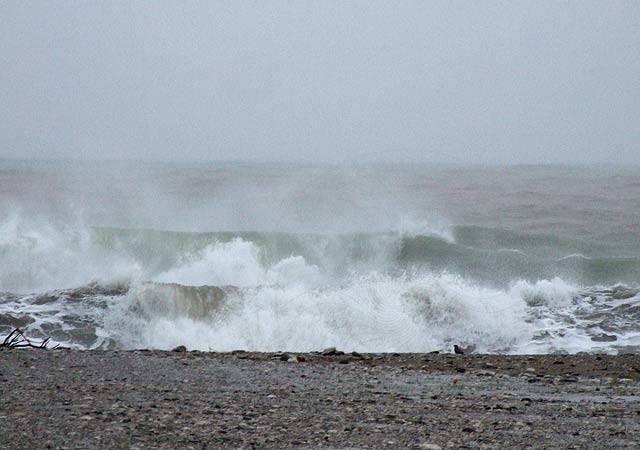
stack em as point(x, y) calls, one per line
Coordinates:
point(525, 259)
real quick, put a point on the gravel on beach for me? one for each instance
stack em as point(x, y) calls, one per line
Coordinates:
point(152, 399)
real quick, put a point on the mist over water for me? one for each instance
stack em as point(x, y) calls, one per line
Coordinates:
point(356, 239)
point(525, 259)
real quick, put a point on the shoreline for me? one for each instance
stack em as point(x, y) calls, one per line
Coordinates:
point(157, 399)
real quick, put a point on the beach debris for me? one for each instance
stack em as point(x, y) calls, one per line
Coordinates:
point(17, 339)
point(427, 446)
point(286, 357)
point(459, 350)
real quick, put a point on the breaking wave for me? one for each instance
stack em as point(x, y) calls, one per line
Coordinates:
point(495, 290)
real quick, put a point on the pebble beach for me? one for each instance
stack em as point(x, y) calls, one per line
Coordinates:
point(69, 399)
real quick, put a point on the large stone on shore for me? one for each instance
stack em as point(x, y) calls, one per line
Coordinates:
point(604, 337)
point(331, 351)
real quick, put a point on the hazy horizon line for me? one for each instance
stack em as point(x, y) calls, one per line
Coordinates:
point(307, 162)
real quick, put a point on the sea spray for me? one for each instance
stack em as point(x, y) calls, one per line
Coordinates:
point(299, 258)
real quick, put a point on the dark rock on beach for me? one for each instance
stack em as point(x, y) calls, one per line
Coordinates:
point(13, 321)
point(603, 337)
point(151, 399)
point(332, 351)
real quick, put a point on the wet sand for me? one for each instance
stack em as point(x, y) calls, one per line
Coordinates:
point(150, 399)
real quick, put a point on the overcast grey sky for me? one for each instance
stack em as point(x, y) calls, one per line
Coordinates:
point(449, 81)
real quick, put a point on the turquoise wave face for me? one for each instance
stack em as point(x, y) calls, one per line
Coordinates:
point(494, 256)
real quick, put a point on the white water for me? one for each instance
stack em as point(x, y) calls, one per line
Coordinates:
point(38, 256)
point(349, 291)
point(372, 312)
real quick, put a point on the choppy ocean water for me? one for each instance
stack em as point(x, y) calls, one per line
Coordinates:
point(525, 259)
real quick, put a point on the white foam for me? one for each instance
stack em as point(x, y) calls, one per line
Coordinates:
point(370, 313)
point(290, 304)
point(555, 292)
point(412, 226)
point(573, 256)
point(238, 263)
point(38, 256)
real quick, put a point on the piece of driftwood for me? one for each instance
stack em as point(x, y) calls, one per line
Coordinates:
point(17, 339)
